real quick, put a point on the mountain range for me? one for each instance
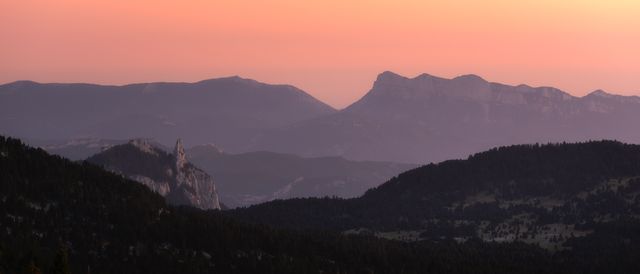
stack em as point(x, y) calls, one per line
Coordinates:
point(407, 120)
point(228, 111)
point(431, 119)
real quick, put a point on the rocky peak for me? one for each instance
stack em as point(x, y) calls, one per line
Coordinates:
point(181, 157)
point(194, 185)
point(388, 75)
point(391, 85)
point(389, 79)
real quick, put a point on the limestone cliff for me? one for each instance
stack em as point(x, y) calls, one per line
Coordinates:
point(170, 175)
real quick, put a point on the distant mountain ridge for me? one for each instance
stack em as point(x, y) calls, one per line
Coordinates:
point(429, 119)
point(406, 120)
point(229, 111)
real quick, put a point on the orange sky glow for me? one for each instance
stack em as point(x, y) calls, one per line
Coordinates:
point(332, 49)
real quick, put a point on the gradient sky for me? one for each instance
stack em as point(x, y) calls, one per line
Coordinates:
point(332, 49)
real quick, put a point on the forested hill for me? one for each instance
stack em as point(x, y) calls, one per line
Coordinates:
point(57, 216)
point(557, 196)
point(518, 171)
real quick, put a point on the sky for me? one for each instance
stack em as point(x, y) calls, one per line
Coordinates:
point(333, 49)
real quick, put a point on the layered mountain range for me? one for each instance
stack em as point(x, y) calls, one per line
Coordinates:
point(414, 120)
point(498, 211)
point(430, 119)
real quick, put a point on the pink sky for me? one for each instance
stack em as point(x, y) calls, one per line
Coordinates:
point(332, 49)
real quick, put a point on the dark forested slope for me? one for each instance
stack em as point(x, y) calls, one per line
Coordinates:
point(557, 196)
point(56, 215)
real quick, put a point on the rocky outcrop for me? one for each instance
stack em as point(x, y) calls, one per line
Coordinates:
point(181, 158)
point(170, 175)
point(194, 184)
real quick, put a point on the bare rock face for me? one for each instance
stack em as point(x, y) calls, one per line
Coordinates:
point(194, 184)
point(170, 175)
point(178, 152)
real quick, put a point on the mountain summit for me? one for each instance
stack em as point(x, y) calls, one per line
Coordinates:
point(181, 157)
